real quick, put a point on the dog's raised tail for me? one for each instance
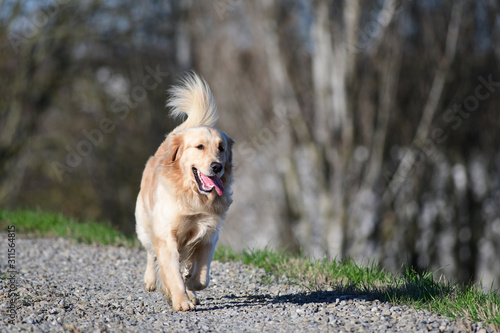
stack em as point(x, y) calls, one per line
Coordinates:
point(193, 98)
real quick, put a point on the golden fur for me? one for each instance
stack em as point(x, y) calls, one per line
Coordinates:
point(185, 194)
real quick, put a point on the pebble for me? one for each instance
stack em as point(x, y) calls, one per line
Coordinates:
point(65, 286)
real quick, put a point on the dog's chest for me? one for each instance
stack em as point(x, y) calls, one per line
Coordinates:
point(196, 228)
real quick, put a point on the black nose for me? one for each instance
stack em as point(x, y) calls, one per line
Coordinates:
point(216, 167)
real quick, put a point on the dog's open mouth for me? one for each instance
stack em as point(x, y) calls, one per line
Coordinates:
point(207, 183)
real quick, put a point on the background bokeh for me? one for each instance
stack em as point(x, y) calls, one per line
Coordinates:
point(364, 129)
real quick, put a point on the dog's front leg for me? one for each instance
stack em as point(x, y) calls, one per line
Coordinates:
point(200, 276)
point(168, 261)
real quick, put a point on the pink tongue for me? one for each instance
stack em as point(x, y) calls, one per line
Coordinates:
point(211, 182)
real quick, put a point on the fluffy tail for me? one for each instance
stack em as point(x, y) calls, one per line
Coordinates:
point(193, 98)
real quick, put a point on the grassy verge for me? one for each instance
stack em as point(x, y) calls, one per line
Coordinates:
point(419, 290)
point(44, 224)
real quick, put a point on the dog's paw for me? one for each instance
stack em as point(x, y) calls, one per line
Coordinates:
point(192, 297)
point(150, 282)
point(183, 305)
point(150, 286)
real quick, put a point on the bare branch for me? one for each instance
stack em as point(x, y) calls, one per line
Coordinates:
point(432, 103)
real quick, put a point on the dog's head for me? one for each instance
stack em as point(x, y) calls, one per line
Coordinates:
point(203, 156)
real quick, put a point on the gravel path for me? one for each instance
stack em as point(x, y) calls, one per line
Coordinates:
point(64, 286)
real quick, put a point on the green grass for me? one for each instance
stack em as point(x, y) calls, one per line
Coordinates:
point(419, 290)
point(44, 224)
point(456, 301)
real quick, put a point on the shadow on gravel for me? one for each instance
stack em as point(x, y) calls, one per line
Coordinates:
point(317, 297)
point(233, 301)
point(414, 288)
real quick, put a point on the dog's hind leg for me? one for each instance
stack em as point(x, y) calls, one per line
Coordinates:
point(150, 274)
point(192, 297)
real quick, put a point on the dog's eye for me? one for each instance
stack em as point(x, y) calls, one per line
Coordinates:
point(221, 148)
point(200, 147)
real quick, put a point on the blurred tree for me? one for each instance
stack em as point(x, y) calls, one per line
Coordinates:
point(356, 146)
point(77, 99)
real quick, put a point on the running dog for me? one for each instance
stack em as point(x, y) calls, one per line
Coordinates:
point(184, 196)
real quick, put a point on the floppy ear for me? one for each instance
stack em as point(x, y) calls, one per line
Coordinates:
point(230, 143)
point(171, 147)
point(175, 142)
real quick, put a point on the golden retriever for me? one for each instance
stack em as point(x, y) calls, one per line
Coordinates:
point(184, 196)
